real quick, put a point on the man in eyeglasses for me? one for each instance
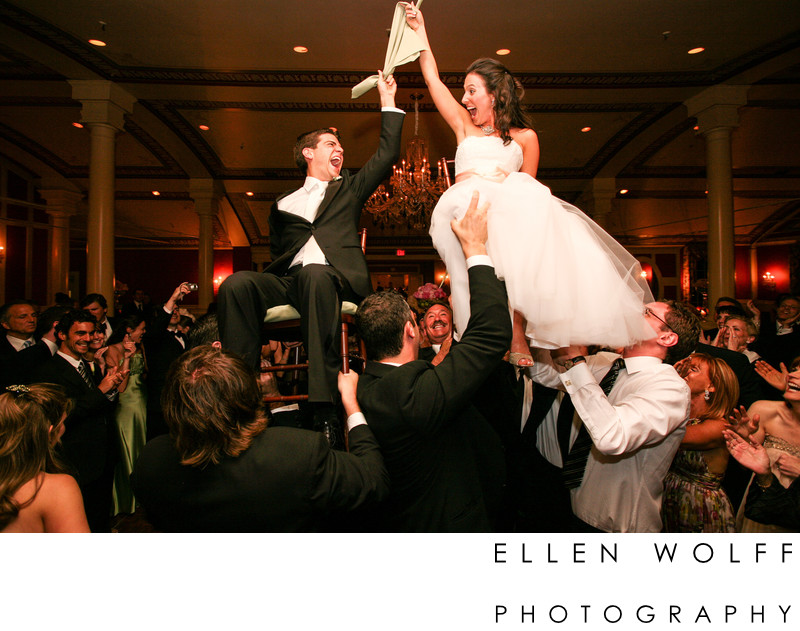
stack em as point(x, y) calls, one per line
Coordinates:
point(618, 430)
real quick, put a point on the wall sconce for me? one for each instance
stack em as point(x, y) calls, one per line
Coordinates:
point(769, 281)
point(2, 255)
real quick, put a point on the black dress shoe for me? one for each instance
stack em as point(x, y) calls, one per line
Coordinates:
point(326, 420)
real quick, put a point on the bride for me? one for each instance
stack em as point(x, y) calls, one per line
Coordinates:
point(568, 281)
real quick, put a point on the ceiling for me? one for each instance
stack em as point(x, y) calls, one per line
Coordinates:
point(618, 66)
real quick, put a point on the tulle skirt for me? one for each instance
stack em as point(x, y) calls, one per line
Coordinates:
point(571, 280)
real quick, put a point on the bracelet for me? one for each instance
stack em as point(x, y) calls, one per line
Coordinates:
point(760, 481)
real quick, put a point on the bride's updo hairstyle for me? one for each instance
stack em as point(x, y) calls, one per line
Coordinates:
point(507, 92)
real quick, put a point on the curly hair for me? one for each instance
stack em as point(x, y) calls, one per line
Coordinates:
point(507, 92)
point(683, 320)
point(26, 450)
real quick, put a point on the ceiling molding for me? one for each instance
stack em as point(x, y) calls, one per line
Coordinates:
point(87, 55)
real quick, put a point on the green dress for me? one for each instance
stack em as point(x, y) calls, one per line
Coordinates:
point(131, 423)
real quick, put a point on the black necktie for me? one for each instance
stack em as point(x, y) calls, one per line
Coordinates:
point(575, 459)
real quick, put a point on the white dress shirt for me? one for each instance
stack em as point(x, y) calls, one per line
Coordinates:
point(19, 343)
point(635, 432)
point(305, 202)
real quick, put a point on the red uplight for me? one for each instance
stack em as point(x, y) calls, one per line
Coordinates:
point(401, 252)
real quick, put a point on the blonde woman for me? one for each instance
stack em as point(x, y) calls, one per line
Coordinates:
point(693, 497)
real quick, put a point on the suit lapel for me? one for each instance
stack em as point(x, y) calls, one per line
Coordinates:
point(71, 373)
point(330, 193)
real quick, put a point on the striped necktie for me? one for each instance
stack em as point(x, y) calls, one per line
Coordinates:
point(28, 343)
point(575, 460)
point(83, 370)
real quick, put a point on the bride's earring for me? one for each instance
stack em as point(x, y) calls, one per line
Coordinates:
point(706, 394)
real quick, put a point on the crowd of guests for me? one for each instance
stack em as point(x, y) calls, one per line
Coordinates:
point(156, 419)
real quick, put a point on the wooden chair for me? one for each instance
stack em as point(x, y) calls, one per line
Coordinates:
point(283, 323)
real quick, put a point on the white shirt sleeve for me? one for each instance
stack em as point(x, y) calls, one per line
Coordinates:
point(653, 405)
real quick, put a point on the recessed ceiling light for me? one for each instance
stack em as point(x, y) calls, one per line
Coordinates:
point(78, 125)
point(502, 51)
point(694, 51)
point(249, 193)
point(97, 42)
point(585, 129)
point(623, 191)
point(300, 49)
point(203, 127)
point(696, 127)
point(156, 193)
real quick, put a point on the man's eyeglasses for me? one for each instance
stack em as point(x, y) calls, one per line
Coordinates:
point(649, 312)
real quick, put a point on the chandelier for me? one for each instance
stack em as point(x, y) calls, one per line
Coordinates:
point(413, 189)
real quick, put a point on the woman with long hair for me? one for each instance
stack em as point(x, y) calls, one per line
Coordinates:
point(778, 430)
point(125, 352)
point(568, 281)
point(35, 493)
point(693, 497)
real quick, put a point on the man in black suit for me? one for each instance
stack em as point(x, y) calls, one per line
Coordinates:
point(88, 443)
point(162, 344)
point(29, 359)
point(97, 306)
point(317, 260)
point(223, 469)
point(18, 319)
point(444, 460)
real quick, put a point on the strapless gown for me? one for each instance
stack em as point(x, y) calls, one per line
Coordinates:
point(571, 280)
point(775, 447)
point(694, 500)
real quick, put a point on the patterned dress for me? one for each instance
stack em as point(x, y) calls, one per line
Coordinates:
point(693, 497)
point(775, 447)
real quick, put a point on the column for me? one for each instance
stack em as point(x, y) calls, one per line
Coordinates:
point(206, 194)
point(62, 204)
point(717, 114)
point(103, 112)
point(604, 191)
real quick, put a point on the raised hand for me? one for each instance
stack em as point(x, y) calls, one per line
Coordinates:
point(742, 424)
point(471, 230)
point(748, 453)
point(777, 380)
point(414, 16)
point(387, 88)
point(129, 345)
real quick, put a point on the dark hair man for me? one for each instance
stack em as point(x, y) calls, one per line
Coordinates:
point(223, 469)
point(444, 460)
point(316, 259)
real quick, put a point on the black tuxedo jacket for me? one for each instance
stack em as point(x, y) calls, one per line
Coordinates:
point(287, 480)
point(445, 462)
point(336, 226)
point(85, 444)
point(5, 345)
point(29, 359)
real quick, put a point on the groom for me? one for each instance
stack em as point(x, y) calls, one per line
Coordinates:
point(317, 260)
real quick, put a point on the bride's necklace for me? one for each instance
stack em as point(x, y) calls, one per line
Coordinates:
point(488, 130)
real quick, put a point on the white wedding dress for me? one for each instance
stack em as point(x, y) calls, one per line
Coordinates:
point(571, 280)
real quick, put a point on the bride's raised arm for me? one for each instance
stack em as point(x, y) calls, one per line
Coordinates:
point(450, 109)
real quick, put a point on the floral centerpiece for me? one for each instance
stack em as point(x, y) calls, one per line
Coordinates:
point(428, 295)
